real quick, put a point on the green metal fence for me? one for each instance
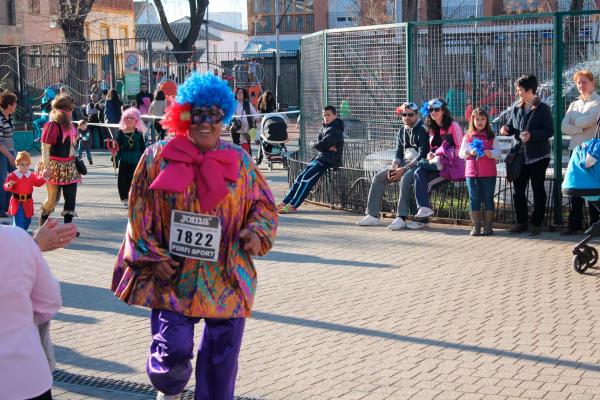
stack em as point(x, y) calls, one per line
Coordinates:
point(366, 72)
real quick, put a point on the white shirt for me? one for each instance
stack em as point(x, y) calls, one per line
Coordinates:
point(27, 291)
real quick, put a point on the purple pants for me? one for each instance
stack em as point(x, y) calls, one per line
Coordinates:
point(169, 365)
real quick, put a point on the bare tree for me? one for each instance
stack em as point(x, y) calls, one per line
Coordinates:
point(371, 12)
point(197, 12)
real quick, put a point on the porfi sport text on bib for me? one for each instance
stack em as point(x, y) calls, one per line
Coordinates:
point(196, 236)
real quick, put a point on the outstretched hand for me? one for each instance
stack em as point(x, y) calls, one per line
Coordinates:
point(52, 236)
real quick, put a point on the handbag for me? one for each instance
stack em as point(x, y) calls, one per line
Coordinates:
point(514, 163)
point(80, 165)
point(235, 126)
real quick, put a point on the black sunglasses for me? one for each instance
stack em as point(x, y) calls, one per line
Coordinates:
point(436, 109)
point(202, 115)
point(408, 114)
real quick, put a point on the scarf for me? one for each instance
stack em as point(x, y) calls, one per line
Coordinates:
point(210, 170)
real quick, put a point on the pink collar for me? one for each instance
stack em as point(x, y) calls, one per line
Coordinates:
point(186, 163)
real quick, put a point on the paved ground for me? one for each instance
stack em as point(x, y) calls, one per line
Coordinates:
point(352, 313)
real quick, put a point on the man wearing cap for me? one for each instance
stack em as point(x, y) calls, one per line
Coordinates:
point(412, 145)
point(199, 209)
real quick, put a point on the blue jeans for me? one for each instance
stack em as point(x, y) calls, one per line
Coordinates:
point(20, 219)
point(481, 190)
point(304, 183)
point(425, 180)
point(80, 150)
point(5, 169)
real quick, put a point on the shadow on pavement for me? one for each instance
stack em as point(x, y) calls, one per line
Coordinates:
point(94, 298)
point(423, 341)
point(76, 319)
point(71, 357)
point(310, 259)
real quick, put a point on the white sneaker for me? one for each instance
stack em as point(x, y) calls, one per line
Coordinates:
point(125, 203)
point(368, 220)
point(162, 396)
point(424, 212)
point(416, 225)
point(397, 224)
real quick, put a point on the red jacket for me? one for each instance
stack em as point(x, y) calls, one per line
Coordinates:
point(24, 184)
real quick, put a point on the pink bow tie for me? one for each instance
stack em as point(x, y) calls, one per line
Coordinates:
point(211, 170)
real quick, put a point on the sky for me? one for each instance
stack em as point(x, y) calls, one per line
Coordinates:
point(179, 8)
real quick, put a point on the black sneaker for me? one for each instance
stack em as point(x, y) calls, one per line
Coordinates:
point(90, 161)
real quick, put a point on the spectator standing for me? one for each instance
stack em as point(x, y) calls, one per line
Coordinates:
point(330, 147)
point(248, 118)
point(130, 138)
point(480, 170)
point(412, 145)
point(84, 136)
point(113, 110)
point(157, 108)
point(580, 122)
point(93, 116)
point(267, 103)
point(531, 125)
point(8, 106)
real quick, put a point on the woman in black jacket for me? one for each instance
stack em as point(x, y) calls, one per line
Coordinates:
point(531, 125)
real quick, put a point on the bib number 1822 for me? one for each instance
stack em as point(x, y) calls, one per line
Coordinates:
point(197, 238)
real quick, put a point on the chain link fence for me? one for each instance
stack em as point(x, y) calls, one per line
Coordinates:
point(367, 72)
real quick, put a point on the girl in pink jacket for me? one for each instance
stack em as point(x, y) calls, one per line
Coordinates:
point(480, 149)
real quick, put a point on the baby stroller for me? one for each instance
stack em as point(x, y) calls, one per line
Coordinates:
point(583, 179)
point(272, 139)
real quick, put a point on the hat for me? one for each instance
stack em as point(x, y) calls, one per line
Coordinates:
point(408, 104)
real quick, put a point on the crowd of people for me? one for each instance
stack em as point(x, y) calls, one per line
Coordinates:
point(200, 209)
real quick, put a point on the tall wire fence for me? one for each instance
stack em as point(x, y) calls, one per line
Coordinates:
point(29, 70)
point(367, 72)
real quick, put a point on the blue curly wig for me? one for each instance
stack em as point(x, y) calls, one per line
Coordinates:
point(207, 90)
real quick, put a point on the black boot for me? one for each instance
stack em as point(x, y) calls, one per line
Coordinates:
point(43, 218)
point(68, 218)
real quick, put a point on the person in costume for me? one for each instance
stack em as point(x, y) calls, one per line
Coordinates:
point(131, 145)
point(59, 143)
point(21, 183)
point(199, 210)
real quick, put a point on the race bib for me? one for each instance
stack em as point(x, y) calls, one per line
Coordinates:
point(196, 236)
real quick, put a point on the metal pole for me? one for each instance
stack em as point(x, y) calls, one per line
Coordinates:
point(111, 56)
point(277, 52)
point(206, 19)
point(558, 55)
point(150, 56)
point(409, 61)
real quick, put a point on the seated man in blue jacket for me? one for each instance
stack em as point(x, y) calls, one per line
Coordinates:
point(330, 145)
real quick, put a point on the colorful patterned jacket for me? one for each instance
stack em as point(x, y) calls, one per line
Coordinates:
point(222, 289)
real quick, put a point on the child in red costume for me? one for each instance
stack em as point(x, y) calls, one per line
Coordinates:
point(21, 183)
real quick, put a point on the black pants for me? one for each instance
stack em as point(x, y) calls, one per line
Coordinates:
point(124, 179)
point(44, 396)
point(536, 173)
point(159, 130)
point(576, 214)
point(235, 138)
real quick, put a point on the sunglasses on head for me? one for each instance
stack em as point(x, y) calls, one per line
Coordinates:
point(209, 115)
point(408, 114)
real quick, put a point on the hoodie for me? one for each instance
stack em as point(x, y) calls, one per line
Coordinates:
point(330, 135)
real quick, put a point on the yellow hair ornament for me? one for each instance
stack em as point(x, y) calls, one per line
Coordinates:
point(185, 116)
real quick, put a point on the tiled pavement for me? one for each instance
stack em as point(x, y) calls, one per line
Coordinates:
point(354, 313)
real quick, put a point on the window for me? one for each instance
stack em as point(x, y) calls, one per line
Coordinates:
point(287, 25)
point(34, 6)
point(268, 6)
point(299, 23)
point(310, 23)
point(55, 58)
point(310, 6)
point(265, 24)
point(7, 12)
point(53, 7)
point(299, 6)
point(86, 31)
point(35, 57)
point(257, 6)
point(123, 32)
point(104, 31)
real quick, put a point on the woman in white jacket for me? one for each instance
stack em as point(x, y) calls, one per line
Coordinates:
point(580, 123)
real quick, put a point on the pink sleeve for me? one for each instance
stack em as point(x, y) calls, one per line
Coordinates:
point(457, 135)
point(45, 293)
point(50, 133)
